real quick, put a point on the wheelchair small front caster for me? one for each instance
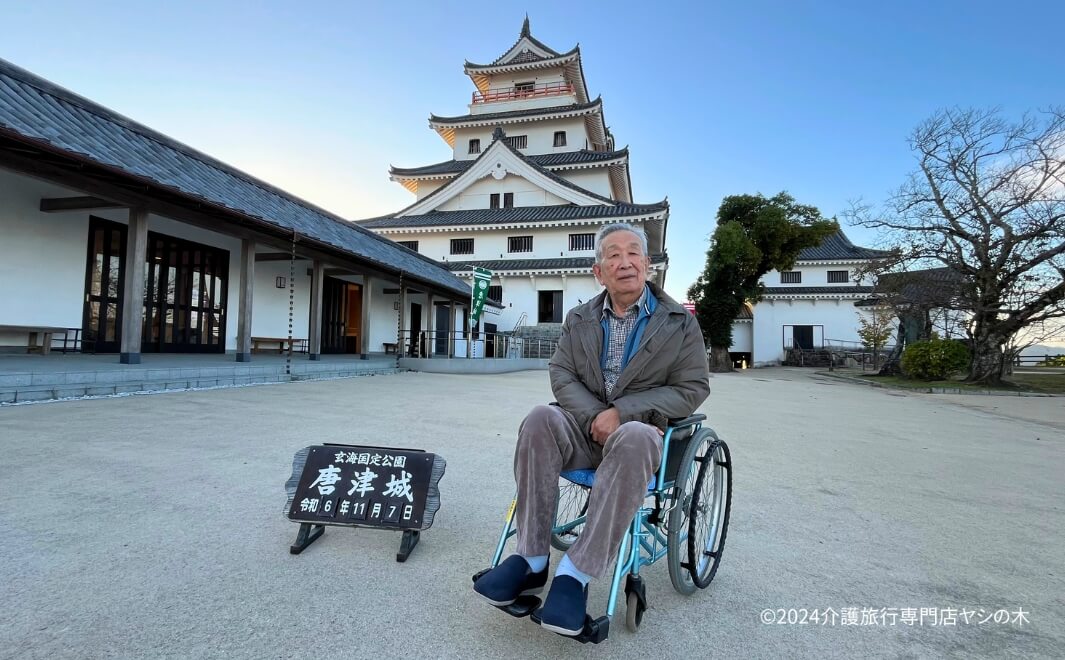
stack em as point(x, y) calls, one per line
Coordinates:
point(635, 603)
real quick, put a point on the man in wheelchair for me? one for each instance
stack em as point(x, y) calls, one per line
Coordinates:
point(629, 360)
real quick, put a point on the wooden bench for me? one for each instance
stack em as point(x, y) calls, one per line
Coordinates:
point(390, 347)
point(298, 345)
point(35, 332)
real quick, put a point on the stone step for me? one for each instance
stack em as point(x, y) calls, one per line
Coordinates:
point(19, 388)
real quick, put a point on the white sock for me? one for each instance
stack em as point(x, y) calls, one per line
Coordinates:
point(536, 564)
point(566, 567)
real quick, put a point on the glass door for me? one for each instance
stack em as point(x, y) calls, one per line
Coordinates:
point(185, 296)
point(104, 274)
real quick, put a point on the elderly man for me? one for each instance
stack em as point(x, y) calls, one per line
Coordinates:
point(629, 360)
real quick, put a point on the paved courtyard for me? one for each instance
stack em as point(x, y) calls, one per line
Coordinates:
point(152, 526)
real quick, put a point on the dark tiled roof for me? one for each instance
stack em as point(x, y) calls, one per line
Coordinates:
point(545, 172)
point(521, 57)
point(37, 110)
point(838, 246)
point(815, 290)
point(580, 157)
point(558, 263)
point(933, 287)
point(515, 215)
point(511, 114)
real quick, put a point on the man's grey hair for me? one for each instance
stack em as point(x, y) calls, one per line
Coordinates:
point(607, 230)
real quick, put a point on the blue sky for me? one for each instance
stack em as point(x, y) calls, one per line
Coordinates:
point(712, 98)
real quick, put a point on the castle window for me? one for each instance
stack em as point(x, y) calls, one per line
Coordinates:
point(519, 243)
point(838, 276)
point(578, 242)
point(475, 146)
point(560, 138)
point(791, 277)
point(413, 245)
point(462, 246)
point(493, 201)
point(517, 141)
point(508, 200)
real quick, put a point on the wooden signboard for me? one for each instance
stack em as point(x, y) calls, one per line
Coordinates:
point(359, 486)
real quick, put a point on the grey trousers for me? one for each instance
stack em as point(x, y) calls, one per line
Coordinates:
point(550, 441)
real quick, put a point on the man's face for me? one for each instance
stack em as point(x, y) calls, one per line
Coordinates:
point(624, 267)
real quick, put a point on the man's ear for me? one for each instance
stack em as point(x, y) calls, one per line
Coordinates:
point(597, 272)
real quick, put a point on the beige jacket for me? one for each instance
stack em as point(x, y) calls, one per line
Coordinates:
point(666, 378)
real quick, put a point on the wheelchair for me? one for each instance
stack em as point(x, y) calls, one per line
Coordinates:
point(684, 518)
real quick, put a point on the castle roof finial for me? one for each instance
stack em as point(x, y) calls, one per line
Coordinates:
point(525, 26)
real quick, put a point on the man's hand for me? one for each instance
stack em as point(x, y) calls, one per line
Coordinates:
point(604, 424)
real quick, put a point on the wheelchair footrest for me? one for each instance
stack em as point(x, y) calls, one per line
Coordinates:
point(595, 630)
point(520, 608)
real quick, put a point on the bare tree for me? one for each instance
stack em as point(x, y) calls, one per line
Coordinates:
point(988, 202)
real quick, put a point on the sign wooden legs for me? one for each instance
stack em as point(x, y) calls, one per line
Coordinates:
point(307, 535)
point(407, 543)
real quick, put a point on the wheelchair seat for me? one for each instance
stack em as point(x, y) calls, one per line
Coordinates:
point(680, 434)
point(586, 478)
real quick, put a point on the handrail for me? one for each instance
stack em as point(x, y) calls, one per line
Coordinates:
point(444, 344)
point(512, 93)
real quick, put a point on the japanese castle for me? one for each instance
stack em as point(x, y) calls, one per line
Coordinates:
point(535, 171)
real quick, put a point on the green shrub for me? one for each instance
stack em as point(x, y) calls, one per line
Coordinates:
point(1058, 361)
point(935, 359)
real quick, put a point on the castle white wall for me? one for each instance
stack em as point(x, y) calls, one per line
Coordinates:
point(838, 320)
point(477, 195)
point(596, 180)
point(426, 188)
point(816, 274)
point(540, 134)
point(43, 269)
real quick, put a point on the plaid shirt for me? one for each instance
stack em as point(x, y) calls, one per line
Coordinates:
point(620, 327)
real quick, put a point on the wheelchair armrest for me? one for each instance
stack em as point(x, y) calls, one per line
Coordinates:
point(685, 422)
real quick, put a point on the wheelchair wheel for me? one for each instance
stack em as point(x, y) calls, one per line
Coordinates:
point(677, 551)
point(708, 520)
point(633, 612)
point(572, 503)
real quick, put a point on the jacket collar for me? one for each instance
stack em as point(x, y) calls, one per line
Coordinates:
point(593, 309)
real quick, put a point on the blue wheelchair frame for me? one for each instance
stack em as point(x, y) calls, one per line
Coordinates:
point(643, 544)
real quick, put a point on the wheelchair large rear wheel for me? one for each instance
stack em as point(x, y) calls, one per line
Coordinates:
point(572, 503)
point(708, 519)
point(678, 522)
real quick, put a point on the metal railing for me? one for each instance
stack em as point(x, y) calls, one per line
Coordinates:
point(484, 345)
point(1046, 360)
point(527, 92)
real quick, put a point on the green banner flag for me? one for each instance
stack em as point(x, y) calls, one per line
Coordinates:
point(482, 277)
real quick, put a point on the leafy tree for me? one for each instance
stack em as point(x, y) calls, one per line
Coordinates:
point(875, 330)
point(987, 201)
point(754, 235)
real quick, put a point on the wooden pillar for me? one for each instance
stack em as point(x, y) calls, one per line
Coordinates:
point(247, 285)
point(400, 352)
point(466, 318)
point(367, 303)
point(314, 337)
point(451, 328)
point(431, 325)
point(133, 293)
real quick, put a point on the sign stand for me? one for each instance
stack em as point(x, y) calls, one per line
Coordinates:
point(307, 535)
point(358, 486)
point(407, 543)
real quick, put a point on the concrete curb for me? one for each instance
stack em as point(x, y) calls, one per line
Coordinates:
point(933, 390)
point(75, 392)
